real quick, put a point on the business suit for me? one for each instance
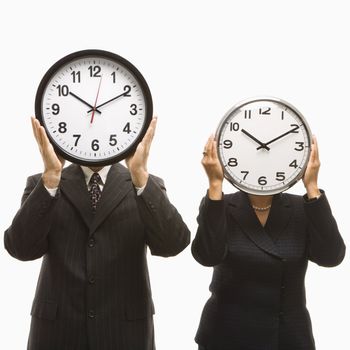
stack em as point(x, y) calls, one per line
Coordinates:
point(258, 293)
point(93, 290)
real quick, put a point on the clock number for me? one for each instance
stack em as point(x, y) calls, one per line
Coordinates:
point(234, 126)
point(293, 164)
point(228, 144)
point(62, 127)
point(280, 176)
point(262, 180)
point(94, 145)
point(246, 174)
point(114, 76)
point(127, 128)
point(77, 139)
point(232, 162)
point(113, 140)
point(127, 89)
point(76, 76)
point(265, 112)
point(55, 109)
point(62, 90)
point(133, 110)
point(95, 71)
point(295, 130)
point(248, 114)
point(300, 146)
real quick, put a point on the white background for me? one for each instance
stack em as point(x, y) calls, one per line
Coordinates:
point(199, 58)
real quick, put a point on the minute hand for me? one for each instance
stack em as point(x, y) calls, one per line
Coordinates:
point(112, 99)
point(279, 137)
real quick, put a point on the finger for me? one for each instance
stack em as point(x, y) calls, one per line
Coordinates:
point(35, 128)
point(41, 135)
point(45, 140)
point(147, 139)
point(313, 152)
point(211, 147)
point(314, 140)
point(207, 147)
point(38, 136)
point(215, 150)
point(62, 160)
point(207, 144)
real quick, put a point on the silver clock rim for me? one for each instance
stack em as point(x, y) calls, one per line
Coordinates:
point(240, 105)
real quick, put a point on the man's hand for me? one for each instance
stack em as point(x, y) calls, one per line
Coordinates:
point(137, 163)
point(213, 169)
point(311, 173)
point(53, 164)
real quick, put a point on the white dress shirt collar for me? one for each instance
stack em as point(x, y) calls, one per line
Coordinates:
point(88, 173)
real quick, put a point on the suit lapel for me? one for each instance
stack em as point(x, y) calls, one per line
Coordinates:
point(73, 186)
point(279, 216)
point(244, 215)
point(118, 184)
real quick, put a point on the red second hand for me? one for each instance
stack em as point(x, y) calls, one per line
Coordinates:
point(94, 109)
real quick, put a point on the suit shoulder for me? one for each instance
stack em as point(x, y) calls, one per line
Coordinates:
point(293, 198)
point(231, 197)
point(157, 179)
point(34, 178)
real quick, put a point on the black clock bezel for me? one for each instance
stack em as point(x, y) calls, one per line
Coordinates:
point(96, 53)
point(238, 106)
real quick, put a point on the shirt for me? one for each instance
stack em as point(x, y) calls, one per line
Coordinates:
point(88, 173)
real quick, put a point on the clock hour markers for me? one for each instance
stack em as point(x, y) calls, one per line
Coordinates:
point(263, 145)
point(100, 107)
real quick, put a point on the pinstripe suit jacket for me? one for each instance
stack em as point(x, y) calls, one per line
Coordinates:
point(258, 294)
point(93, 290)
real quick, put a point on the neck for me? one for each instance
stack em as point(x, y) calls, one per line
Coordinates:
point(260, 201)
point(95, 169)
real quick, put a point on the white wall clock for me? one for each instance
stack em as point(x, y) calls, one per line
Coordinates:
point(95, 106)
point(263, 145)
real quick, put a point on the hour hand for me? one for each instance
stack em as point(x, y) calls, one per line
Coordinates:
point(86, 103)
point(262, 145)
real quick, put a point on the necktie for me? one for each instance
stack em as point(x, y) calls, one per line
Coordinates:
point(95, 191)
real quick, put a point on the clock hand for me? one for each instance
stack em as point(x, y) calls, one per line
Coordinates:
point(94, 108)
point(262, 145)
point(81, 100)
point(279, 137)
point(112, 99)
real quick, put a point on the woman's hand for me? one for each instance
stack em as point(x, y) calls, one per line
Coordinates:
point(311, 172)
point(53, 164)
point(213, 169)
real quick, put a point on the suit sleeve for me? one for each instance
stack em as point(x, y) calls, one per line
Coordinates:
point(325, 244)
point(27, 237)
point(209, 247)
point(166, 233)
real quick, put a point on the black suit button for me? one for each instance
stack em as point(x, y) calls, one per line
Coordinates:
point(283, 287)
point(91, 243)
point(91, 314)
point(284, 260)
point(91, 279)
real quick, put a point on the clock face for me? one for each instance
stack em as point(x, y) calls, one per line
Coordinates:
point(95, 107)
point(263, 145)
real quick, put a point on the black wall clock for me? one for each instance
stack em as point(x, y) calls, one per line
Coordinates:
point(95, 106)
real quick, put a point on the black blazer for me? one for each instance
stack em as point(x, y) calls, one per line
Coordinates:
point(93, 290)
point(258, 292)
